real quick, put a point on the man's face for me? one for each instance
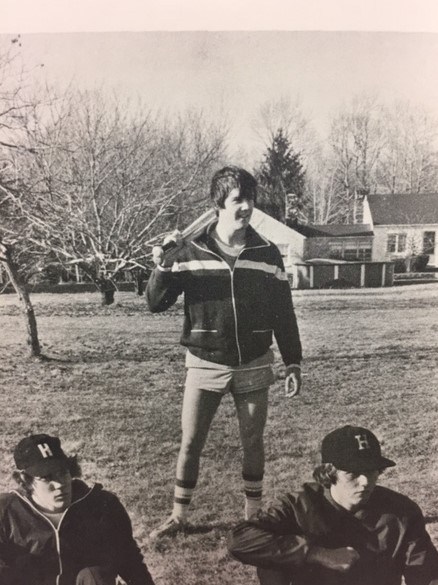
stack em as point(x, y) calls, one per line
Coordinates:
point(236, 212)
point(353, 490)
point(52, 492)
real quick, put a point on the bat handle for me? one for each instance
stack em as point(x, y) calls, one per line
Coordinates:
point(170, 245)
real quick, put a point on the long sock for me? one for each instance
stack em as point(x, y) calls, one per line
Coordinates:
point(182, 497)
point(253, 488)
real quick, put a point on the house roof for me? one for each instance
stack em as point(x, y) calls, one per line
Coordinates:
point(406, 209)
point(333, 230)
point(273, 229)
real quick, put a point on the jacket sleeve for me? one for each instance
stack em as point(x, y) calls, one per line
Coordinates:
point(285, 322)
point(163, 289)
point(421, 565)
point(130, 563)
point(23, 570)
point(272, 539)
point(16, 567)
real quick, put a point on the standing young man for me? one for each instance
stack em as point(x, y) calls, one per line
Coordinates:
point(56, 530)
point(236, 295)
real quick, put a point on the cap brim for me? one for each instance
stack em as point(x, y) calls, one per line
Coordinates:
point(367, 465)
point(43, 468)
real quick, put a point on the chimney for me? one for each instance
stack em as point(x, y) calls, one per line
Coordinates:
point(291, 204)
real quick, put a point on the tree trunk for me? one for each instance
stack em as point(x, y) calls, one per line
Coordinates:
point(139, 279)
point(107, 296)
point(23, 295)
point(107, 289)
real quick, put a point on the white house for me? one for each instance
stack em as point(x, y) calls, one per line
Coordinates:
point(289, 241)
point(403, 225)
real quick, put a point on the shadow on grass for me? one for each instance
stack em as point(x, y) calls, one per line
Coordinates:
point(205, 528)
point(142, 355)
point(396, 353)
point(219, 529)
point(98, 359)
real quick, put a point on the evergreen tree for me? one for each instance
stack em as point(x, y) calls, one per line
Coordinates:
point(280, 173)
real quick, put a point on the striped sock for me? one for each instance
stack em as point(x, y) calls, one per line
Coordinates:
point(253, 488)
point(182, 497)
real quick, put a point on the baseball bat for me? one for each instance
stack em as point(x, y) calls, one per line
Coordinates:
point(194, 229)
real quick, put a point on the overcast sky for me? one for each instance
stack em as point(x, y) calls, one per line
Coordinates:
point(116, 15)
point(234, 72)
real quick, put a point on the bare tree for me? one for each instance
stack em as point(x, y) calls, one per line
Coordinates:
point(287, 115)
point(17, 281)
point(323, 203)
point(356, 138)
point(100, 182)
point(13, 106)
point(381, 149)
point(409, 162)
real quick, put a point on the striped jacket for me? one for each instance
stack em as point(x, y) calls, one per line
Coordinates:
point(230, 314)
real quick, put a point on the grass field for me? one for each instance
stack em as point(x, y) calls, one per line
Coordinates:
point(113, 387)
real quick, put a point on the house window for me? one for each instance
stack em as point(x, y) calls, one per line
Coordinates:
point(336, 250)
point(396, 243)
point(350, 253)
point(350, 250)
point(363, 251)
point(429, 243)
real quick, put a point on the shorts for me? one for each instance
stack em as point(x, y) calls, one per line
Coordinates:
point(255, 375)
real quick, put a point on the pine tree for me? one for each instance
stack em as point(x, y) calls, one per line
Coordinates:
point(280, 173)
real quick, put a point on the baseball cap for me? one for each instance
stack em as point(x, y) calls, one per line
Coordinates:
point(40, 455)
point(354, 449)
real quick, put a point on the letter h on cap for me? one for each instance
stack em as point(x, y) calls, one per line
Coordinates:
point(362, 442)
point(45, 450)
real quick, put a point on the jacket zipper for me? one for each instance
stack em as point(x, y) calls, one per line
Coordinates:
point(235, 310)
point(56, 530)
point(233, 298)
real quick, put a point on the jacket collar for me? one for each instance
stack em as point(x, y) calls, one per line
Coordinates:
point(79, 491)
point(253, 238)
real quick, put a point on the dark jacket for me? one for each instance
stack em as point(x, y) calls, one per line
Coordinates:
point(388, 533)
point(230, 314)
point(94, 531)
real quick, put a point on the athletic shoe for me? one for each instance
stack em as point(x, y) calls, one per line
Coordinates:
point(169, 527)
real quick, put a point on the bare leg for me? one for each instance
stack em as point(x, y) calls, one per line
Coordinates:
point(252, 408)
point(199, 408)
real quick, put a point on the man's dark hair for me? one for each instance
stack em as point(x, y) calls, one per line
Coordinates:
point(25, 481)
point(229, 178)
point(325, 474)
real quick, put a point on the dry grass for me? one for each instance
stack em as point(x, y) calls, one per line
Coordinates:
point(113, 387)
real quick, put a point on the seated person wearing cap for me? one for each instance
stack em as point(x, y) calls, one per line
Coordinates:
point(343, 529)
point(55, 530)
